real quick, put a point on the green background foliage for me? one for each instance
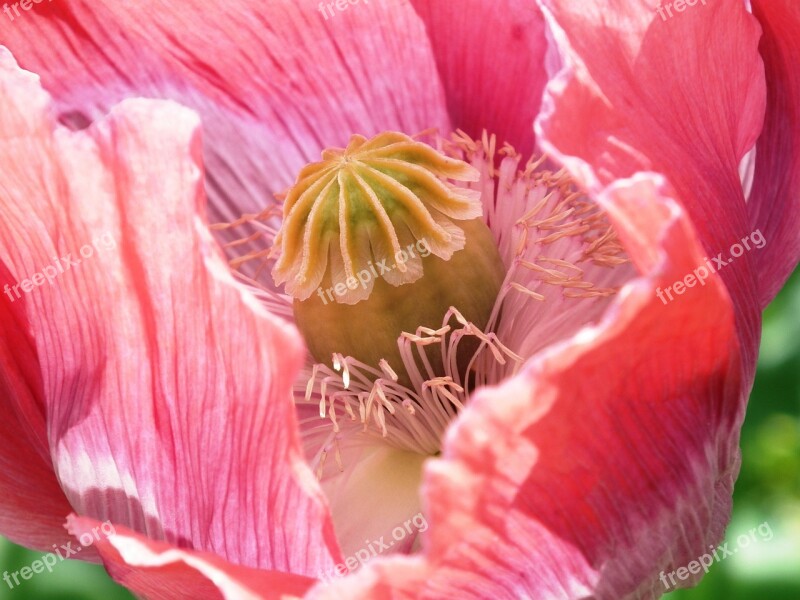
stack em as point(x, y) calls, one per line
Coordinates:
point(768, 490)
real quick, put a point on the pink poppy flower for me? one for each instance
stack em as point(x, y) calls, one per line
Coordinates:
point(588, 442)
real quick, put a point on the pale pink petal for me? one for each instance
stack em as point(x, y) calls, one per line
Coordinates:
point(155, 570)
point(775, 201)
point(274, 82)
point(491, 58)
point(367, 505)
point(166, 384)
point(32, 505)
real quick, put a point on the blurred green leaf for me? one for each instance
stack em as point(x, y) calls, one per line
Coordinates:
point(69, 580)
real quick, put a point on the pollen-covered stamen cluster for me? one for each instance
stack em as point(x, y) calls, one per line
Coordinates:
point(367, 202)
point(563, 214)
point(250, 266)
point(410, 417)
point(564, 260)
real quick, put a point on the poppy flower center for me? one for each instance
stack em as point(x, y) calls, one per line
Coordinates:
point(398, 261)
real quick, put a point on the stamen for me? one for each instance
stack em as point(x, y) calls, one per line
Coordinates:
point(428, 406)
point(388, 370)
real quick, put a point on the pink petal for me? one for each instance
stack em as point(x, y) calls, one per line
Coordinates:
point(166, 384)
point(491, 58)
point(157, 570)
point(32, 505)
point(274, 82)
point(610, 458)
point(632, 99)
point(775, 200)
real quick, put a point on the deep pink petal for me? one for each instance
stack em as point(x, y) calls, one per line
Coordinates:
point(491, 58)
point(775, 200)
point(632, 99)
point(610, 458)
point(155, 570)
point(166, 384)
point(275, 82)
